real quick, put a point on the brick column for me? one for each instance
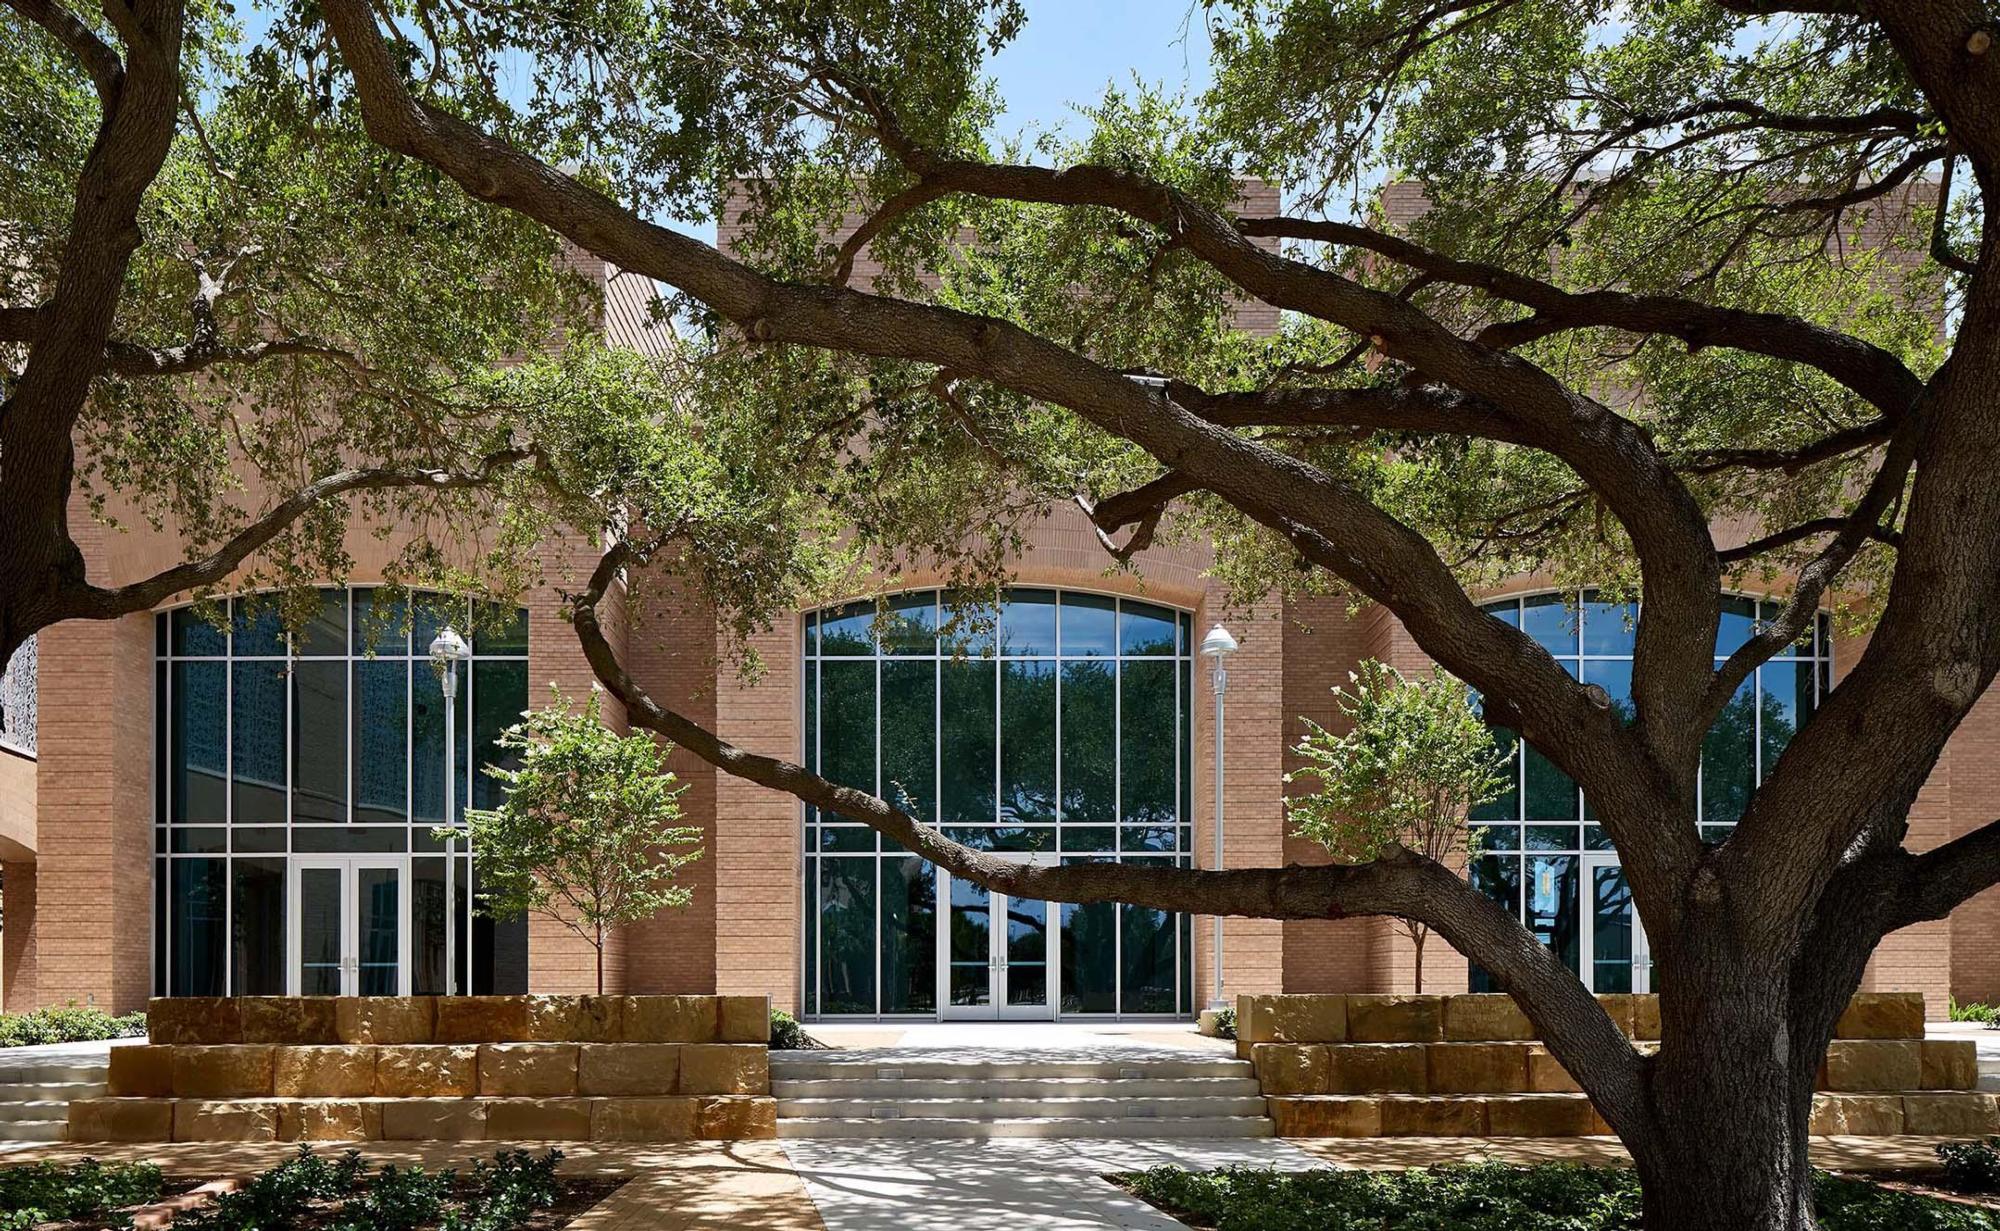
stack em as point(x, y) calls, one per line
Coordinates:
point(17, 938)
point(756, 849)
point(94, 796)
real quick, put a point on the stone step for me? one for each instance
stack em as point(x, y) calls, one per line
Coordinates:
point(1017, 1087)
point(50, 1072)
point(790, 1068)
point(906, 1108)
point(34, 1130)
point(34, 1109)
point(1198, 1127)
point(25, 1091)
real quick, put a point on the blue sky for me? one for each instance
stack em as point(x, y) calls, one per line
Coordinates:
point(1070, 49)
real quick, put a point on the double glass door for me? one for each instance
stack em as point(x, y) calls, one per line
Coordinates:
point(995, 954)
point(350, 926)
point(1615, 955)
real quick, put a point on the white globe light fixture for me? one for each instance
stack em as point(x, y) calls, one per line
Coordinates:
point(448, 650)
point(1217, 647)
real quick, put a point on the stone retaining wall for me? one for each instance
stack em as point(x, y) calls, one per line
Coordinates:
point(1469, 1065)
point(499, 1068)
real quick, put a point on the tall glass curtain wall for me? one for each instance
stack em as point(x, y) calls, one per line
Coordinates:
point(1538, 831)
point(270, 748)
point(1071, 741)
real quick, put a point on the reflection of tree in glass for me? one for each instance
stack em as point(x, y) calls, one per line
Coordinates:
point(965, 752)
point(1028, 743)
point(1089, 724)
point(847, 918)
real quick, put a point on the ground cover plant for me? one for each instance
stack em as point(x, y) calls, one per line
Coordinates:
point(34, 1194)
point(1492, 1197)
point(70, 1024)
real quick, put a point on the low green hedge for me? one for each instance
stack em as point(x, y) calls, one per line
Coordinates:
point(49, 1192)
point(1489, 1197)
point(70, 1024)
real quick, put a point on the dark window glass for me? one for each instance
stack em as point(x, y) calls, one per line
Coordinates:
point(198, 925)
point(431, 614)
point(812, 934)
point(1499, 878)
point(500, 948)
point(1500, 837)
point(500, 628)
point(965, 755)
point(847, 838)
point(201, 840)
point(257, 741)
point(1739, 620)
point(1552, 904)
point(1507, 611)
point(1089, 626)
point(378, 930)
point(1552, 837)
point(1163, 838)
point(319, 742)
point(847, 723)
point(847, 928)
point(162, 933)
point(381, 624)
point(1505, 806)
point(1028, 742)
point(1552, 623)
point(258, 840)
point(1787, 704)
point(351, 839)
point(427, 923)
point(1729, 757)
point(1551, 796)
point(1146, 752)
point(1028, 623)
point(1089, 728)
point(1609, 628)
point(258, 629)
point(848, 630)
point(200, 729)
point(1614, 676)
point(162, 768)
point(1147, 959)
point(381, 741)
point(499, 697)
point(1090, 958)
point(968, 628)
point(427, 743)
point(909, 737)
point(1143, 629)
point(195, 636)
point(326, 632)
point(909, 936)
point(912, 626)
point(1089, 838)
point(258, 929)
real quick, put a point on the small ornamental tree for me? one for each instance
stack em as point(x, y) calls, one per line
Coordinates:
point(582, 836)
point(1417, 761)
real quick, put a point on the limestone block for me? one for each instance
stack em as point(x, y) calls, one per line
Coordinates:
point(538, 1119)
point(330, 1120)
point(1950, 1064)
point(1477, 1068)
point(743, 1019)
point(572, 1019)
point(1856, 1115)
point(1620, 1007)
point(1404, 1116)
point(1546, 1075)
point(194, 1019)
point(289, 1019)
point(1955, 1113)
point(725, 1068)
point(1376, 1068)
point(346, 1071)
point(1541, 1115)
point(1292, 1019)
point(1484, 1018)
point(628, 1068)
point(434, 1119)
point(427, 1070)
point(642, 1119)
point(142, 1071)
point(385, 1019)
point(1882, 1015)
point(736, 1118)
point(481, 1019)
point(121, 1119)
point(531, 1070)
point(1860, 1066)
point(225, 1120)
point(1395, 1019)
point(1646, 1018)
point(1290, 1068)
point(1334, 1116)
point(223, 1071)
point(673, 1019)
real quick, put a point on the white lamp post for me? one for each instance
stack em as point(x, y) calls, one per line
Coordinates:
point(447, 651)
point(1217, 647)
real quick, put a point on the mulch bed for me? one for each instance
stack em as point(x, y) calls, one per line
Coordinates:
point(575, 1194)
point(1924, 1183)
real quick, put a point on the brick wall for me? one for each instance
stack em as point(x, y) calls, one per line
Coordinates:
point(758, 874)
point(17, 939)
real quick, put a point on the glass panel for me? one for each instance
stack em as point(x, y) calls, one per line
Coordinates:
point(258, 630)
point(1610, 931)
point(1728, 757)
point(1028, 742)
point(970, 944)
point(1089, 957)
point(847, 724)
point(1027, 951)
point(1551, 796)
point(909, 936)
point(1786, 703)
point(1028, 623)
point(200, 717)
point(1147, 965)
point(326, 632)
point(427, 915)
point(1739, 620)
point(206, 840)
point(199, 926)
point(162, 929)
point(257, 742)
point(319, 931)
point(965, 756)
point(909, 737)
point(1552, 837)
point(427, 743)
point(972, 627)
point(1507, 611)
point(812, 934)
point(319, 741)
point(1089, 725)
point(847, 921)
point(1144, 629)
point(1505, 806)
point(500, 629)
point(852, 839)
point(500, 951)
point(848, 630)
point(196, 636)
point(351, 839)
point(379, 928)
point(1499, 878)
point(1615, 678)
point(499, 697)
point(381, 741)
point(1089, 626)
point(429, 615)
point(258, 840)
point(1609, 628)
point(381, 624)
point(1551, 622)
point(1146, 743)
point(1552, 908)
point(912, 626)
point(1089, 838)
